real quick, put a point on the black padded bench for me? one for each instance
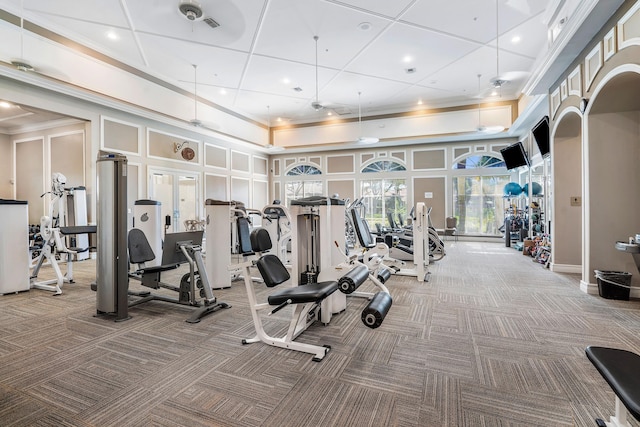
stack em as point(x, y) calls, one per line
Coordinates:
point(79, 229)
point(621, 370)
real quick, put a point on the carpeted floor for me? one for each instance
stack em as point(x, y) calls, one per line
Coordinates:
point(492, 339)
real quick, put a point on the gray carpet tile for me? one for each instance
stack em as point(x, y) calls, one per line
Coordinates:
point(492, 339)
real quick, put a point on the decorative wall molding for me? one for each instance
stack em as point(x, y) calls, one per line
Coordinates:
point(555, 101)
point(629, 28)
point(574, 81)
point(564, 93)
point(609, 43)
point(592, 64)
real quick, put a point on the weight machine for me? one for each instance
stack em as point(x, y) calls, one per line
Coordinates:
point(177, 249)
point(115, 247)
point(227, 229)
point(317, 223)
point(307, 299)
point(54, 236)
point(277, 221)
point(374, 252)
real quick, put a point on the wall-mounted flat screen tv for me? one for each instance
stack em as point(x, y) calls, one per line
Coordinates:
point(541, 135)
point(514, 156)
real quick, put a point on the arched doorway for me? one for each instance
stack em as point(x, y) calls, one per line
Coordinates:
point(566, 222)
point(612, 176)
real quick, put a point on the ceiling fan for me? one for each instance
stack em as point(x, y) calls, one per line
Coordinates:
point(20, 63)
point(316, 105)
point(500, 81)
point(196, 122)
point(193, 12)
point(363, 140)
point(331, 107)
point(483, 129)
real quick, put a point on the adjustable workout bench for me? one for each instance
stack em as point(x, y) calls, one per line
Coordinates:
point(177, 248)
point(620, 369)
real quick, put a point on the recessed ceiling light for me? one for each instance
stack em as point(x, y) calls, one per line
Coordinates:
point(407, 58)
point(515, 39)
point(286, 80)
point(223, 92)
point(279, 119)
point(494, 93)
point(112, 35)
point(365, 26)
point(329, 113)
point(5, 104)
point(420, 102)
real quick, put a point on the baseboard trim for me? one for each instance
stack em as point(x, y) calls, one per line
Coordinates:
point(589, 288)
point(566, 268)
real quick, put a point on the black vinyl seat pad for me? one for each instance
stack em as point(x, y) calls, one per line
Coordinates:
point(157, 268)
point(311, 292)
point(621, 369)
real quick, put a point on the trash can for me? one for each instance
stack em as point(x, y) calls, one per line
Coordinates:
point(614, 284)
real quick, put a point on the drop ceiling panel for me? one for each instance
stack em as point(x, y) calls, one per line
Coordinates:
point(267, 75)
point(429, 52)
point(289, 29)
point(93, 35)
point(255, 104)
point(344, 89)
point(383, 7)
point(530, 44)
point(463, 75)
point(238, 21)
point(174, 59)
point(407, 100)
point(472, 20)
point(106, 12)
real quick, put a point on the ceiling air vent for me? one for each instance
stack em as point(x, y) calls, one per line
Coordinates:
point(211, 22)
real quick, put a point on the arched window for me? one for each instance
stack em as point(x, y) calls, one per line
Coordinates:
point(477, 194)
point(304, 186)
point(304, 170)
point(476, 161)
point(384, 197)
point(384, 166)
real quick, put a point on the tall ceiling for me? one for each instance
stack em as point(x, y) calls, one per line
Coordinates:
point(385, 56)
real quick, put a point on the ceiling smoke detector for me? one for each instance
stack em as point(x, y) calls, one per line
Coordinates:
point(191, 10)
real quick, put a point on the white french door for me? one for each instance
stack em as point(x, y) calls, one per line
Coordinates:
point(178, 192)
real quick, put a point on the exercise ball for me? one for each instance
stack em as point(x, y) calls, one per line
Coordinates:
point(536, 189)
point(512, 189)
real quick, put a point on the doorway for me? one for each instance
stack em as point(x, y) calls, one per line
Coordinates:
point(178, 194)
